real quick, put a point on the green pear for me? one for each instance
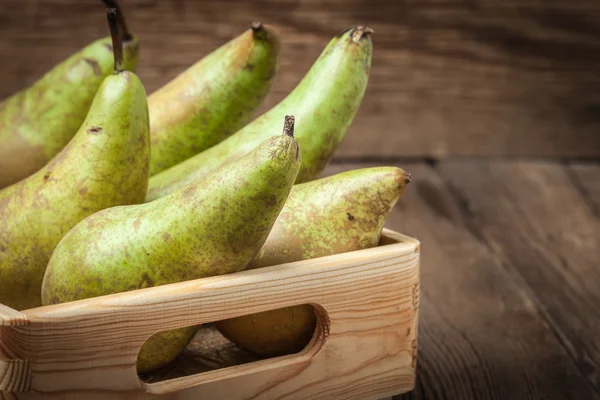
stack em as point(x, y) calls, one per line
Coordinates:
point(334, 215)
point(213, 98)
point(37, 122)
point(324, 104)
point(104, 165)
point(211, 227)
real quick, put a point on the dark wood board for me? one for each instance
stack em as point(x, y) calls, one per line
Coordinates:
point(481, 334)
point(587, 178)
point(449, 77)
point(536, 221)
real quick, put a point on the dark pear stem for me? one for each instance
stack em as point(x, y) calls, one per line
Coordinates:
point(360, 32)
point(288, 125)
point(259, 32)
point(111, 15)
point(408, 178)
point(125, 34)
point(257, 26)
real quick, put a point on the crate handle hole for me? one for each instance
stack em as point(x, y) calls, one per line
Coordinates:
point(283, 334)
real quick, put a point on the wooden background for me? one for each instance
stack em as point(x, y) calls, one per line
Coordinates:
point(450, 77)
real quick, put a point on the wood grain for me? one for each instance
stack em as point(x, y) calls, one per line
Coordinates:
point(538, 225)
point(587, 179)
point(481, 334)
point(10, 317)
point(365, 345)
point(449, 77)
point(14, 373)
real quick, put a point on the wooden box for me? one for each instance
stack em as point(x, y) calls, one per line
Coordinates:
point(364, 346)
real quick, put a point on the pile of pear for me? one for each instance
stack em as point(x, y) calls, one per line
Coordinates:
point(104, 189)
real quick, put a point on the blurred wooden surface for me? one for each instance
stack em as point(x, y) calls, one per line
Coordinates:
point(509, 278)
point(449, 78)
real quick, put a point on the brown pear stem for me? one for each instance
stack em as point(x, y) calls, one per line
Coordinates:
point(288, 125)
point(256, 26)
point(125, 34)
point(111, 15)
point(360, 32)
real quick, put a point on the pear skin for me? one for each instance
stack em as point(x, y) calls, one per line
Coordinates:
point(334, 215)
point(213, 98)
point(324, 104)
point(211, 227)
point(37, 122)
point(104, 165)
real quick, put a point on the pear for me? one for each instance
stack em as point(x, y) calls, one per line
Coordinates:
point(211, 227)
point(37, 122)
point(213, 98)
point(324, 104)
point(334, 215)
point(104, 165)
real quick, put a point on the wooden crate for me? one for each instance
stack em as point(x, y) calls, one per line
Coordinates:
point(364, 346)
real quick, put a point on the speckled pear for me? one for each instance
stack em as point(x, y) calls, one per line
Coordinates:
point(37, 122)
point(324, 104)
point(334, 215)
point(213, 98)
point(105, 164)
point(211, 227)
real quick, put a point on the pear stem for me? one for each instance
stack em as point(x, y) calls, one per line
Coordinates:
point(111, 15)
point(256, 26)
point(288, 125)
point(360, 32)
point(125, 34)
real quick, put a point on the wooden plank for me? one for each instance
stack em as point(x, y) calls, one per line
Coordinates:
point(449, 77)
point(13, 372)
point(480, 333)
point(587, 178)
point(10, 317)
point(536, 222)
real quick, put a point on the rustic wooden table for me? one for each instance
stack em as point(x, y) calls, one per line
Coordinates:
point(510, 289)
